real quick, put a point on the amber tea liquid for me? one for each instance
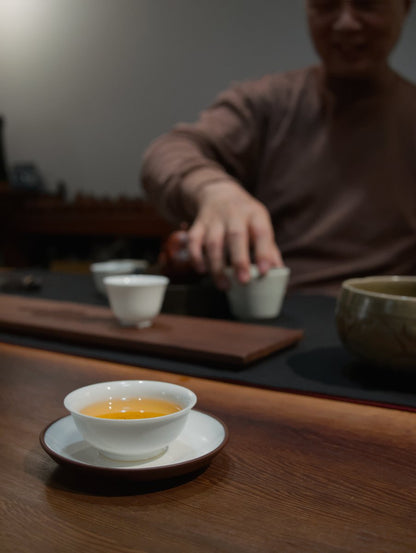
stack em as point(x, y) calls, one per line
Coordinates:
point(131, 408)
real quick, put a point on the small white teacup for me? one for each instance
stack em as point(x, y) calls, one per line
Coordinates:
point(103, 269)
point(136, 299)
point(261, 297)
point(116, 435)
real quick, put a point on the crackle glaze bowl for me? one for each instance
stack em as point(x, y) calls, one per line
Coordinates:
point(376, 320)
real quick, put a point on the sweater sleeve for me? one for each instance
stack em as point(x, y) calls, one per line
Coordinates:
point(224, 144)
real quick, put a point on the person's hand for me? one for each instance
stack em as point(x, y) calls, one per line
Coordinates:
point(230, 221)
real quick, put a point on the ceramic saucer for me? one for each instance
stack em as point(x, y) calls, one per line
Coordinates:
point(202, 438)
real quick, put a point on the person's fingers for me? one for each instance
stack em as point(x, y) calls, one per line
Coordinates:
point(266, 252)
point(237, 240)
point(196, 237)
point(215, 252)
point(276, 256)
point(232, 222)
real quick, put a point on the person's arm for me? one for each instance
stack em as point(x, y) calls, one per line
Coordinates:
point(203, 173)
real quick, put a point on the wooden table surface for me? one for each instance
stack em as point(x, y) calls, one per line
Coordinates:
point(299, 474)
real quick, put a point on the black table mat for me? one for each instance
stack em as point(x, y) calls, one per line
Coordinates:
point(318, 365)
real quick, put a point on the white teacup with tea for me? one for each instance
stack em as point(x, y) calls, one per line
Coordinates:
point(130, 420)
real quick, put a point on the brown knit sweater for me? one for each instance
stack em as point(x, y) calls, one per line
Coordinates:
point(337, 170)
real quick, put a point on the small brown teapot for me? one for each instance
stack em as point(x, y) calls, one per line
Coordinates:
point(175, 260)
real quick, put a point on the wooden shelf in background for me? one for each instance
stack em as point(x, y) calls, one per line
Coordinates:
point(24, 216)
point(87, 216)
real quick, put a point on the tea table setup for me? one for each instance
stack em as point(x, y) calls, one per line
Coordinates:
point(294, 443)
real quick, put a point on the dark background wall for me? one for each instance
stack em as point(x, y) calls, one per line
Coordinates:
point(85, 85)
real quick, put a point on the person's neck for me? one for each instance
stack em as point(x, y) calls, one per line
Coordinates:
point(349, 89)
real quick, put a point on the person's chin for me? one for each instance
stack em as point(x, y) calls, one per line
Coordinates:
point(352, 69)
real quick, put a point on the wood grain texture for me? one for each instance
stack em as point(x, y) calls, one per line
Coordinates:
point(299, 474)
point(195, 338)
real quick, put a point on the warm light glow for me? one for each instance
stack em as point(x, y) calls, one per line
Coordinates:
point(20, 15)
point(23, 24)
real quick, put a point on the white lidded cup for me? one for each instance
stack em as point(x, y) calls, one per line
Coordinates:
point(136, 299)
point(130, 439)
point(262, 297)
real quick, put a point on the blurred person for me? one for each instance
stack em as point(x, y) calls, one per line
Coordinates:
point(314, 168)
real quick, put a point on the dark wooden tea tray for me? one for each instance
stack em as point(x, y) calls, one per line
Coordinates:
point(212, 341)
